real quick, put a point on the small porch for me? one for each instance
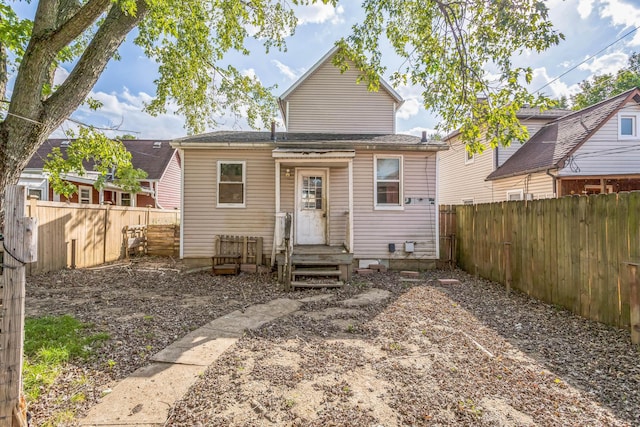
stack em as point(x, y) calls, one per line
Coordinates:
point(314, 215)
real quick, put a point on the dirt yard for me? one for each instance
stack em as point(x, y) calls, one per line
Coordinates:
point(415, 353)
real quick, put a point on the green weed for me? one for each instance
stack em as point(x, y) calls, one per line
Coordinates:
point(50, 342)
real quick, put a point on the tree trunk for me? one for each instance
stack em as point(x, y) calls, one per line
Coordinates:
point(31, 118)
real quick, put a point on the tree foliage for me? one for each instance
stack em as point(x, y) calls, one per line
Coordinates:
point(108, 159)
point(452, 49)
point(605, 86)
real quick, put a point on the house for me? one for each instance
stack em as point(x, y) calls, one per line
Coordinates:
point(594, 150)
point(591, 151)
point(160, 189)
point(354, 189)
point(463, 175)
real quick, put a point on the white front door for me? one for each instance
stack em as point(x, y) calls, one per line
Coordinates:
point(311, 207)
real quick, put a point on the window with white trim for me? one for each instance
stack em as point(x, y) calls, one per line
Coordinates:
point(85, 195)
point(231, 184)
point(125, 199)
point(34, 192)
point(468, 156)
point(388, 182)
point(628, 125)
point(515, 195)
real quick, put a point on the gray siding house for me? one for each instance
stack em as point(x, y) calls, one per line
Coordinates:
point(352, 186)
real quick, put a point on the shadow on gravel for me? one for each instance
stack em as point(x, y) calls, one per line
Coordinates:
point(598, 359)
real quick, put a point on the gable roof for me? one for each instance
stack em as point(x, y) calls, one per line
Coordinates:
point(557, 140)
point(383, 84)
point(144, 156)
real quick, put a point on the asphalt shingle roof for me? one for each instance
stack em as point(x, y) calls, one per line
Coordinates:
point(552, 144)
point(310, 139)
point(154, 161)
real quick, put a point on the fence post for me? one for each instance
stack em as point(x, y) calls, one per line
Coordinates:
point(21, 247)
point(507, 266)
point(634, 294)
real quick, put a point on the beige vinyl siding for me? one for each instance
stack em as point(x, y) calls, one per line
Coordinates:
point(533, 126)
point(202, 220)
point(169, 185)
point(540, 185)
point(287, 190)
point(375, 229)
point(459, 181)
point(328, 101)
point(338, 205)
point(605, 153)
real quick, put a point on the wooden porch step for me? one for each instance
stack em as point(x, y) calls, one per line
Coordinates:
point(298, 284)
point(315, 272)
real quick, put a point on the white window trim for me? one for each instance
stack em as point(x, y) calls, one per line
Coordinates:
point(85, 187)
point(518, 192)
point(388, 207)
point(467, 160)
point(133, 199)
point(244, 185)
point(636, 120)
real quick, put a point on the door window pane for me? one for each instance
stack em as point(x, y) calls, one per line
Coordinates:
point(312, 192)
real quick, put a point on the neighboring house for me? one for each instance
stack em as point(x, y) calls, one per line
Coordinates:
point(351, 185)
point(463, 175)
point(160, 189)
point(594, 150)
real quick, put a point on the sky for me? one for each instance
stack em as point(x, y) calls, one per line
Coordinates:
point(589, 27)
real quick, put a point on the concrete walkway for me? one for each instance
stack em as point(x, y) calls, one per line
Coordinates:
point(145, 397)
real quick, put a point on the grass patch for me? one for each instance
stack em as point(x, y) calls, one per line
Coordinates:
point(49, 343)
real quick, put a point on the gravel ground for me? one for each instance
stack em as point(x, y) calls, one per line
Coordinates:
point(464, 354)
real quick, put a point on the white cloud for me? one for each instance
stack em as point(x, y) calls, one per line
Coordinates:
point(60, 76)
point(410, 108)
point(556, 89)
point(585, 7)
point(606, 64)
point(412, 95)
point(417, 131)
point(623, 13)
point(319, 13)
point(124, 110)
point(287, 71)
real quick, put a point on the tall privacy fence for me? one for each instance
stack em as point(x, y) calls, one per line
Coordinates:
point(578, 252)
point(76, 236)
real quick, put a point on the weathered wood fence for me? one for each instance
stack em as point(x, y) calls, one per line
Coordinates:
point(578, 252)
point(447, 224)
point(72, 235)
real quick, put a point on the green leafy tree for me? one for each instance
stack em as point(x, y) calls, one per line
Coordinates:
point(605, 86)
point(107, 158)
point(449, 46)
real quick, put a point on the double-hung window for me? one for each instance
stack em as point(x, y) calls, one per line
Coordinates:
point(231, 184)
point(388, 182)
point(85, 195)
point(628, 125)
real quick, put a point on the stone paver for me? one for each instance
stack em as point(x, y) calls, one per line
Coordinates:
point(145, 397)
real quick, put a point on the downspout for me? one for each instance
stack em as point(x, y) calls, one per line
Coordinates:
point(554, 179)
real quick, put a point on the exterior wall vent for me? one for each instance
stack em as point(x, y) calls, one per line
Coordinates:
point(157, 144)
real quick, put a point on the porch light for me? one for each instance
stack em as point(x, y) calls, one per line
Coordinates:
point(287, 172)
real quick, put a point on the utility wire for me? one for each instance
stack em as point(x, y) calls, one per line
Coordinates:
point(589, 58)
